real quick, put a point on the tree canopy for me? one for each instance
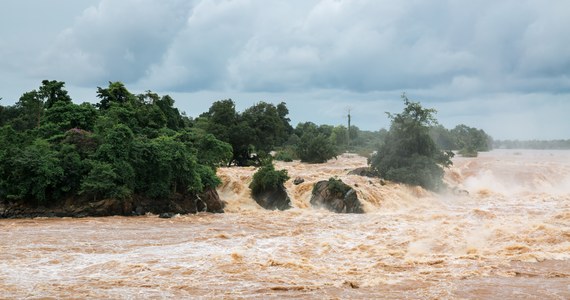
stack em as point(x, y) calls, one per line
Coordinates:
point(123, 146)
point(315, 144)
point(468, 141)
point(252, 134)
point(409, 155)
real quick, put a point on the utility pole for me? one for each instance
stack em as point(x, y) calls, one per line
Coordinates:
point(348, 131)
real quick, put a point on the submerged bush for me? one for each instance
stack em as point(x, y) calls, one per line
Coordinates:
point(267, 178)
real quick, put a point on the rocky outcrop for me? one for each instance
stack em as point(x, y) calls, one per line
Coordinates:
point(208, 201)
point(298, 181)
point(273, 198)
point(363, 171)
point(166, 215)
point(336, 196)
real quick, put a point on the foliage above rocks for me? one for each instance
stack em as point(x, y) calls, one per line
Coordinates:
point(268, 189)
point(124, 147)
point(409, 154)
point(252, 133)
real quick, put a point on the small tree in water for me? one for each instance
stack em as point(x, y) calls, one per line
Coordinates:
point(267, 178)
point(409, 155)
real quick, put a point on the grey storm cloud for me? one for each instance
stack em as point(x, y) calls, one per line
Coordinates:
point(360, 46)
point(115, 39)
point(473, 60)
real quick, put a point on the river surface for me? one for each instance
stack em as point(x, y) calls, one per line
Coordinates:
point(508, 239)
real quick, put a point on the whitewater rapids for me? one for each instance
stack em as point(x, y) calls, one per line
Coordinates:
point(509, 238)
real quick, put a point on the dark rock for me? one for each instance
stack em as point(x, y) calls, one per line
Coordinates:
point(211, 201)
point(208, 200)
point(166, 215)
point(363, 171)
point(106, 207)
point(139, 211)
point(298, 181)
point(127, 206)
point(272, 199)
point(336, 196)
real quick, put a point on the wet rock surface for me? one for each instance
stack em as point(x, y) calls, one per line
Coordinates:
point(272, 199)
point(363, 171)
point(207, 201)
point(336, 196)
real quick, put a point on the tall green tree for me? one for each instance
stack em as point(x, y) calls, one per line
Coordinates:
point(409, 155)
point(315, 143)
point(220, 119)
point(315, 148)
point(469, 141)
point(258, 130)
point(52, 92)
point(67, 115)
point(270, 126)
point(101, 182)
point(116, 93)
point(30, 109)
point(32, 173)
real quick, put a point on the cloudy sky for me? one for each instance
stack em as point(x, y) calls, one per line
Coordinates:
point(500, 65)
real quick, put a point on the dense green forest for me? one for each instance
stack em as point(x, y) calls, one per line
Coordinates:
point(125, 144)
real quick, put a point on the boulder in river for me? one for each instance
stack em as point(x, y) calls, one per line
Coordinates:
point(210, 201)
point(207, 201)
point(166, 215)
point(273, 198)
point(187, 203)
point(363, 171)
point(336, 196)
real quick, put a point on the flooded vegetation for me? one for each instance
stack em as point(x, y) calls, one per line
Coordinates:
point(509, 237)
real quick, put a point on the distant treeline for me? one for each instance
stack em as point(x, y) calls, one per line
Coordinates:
point(532, 144)
point(468, 141)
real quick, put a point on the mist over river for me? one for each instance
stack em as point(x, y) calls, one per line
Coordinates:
point(508, 239)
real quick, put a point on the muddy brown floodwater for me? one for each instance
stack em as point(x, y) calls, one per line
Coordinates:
point(508, 239)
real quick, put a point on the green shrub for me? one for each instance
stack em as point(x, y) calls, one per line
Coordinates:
point(267, 178)
point(336, 186)
point(286, 155)
point(468, 152)
point(409, 155)
point(315, 148)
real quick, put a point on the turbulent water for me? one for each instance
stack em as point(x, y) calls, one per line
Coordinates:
point(508, 239)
